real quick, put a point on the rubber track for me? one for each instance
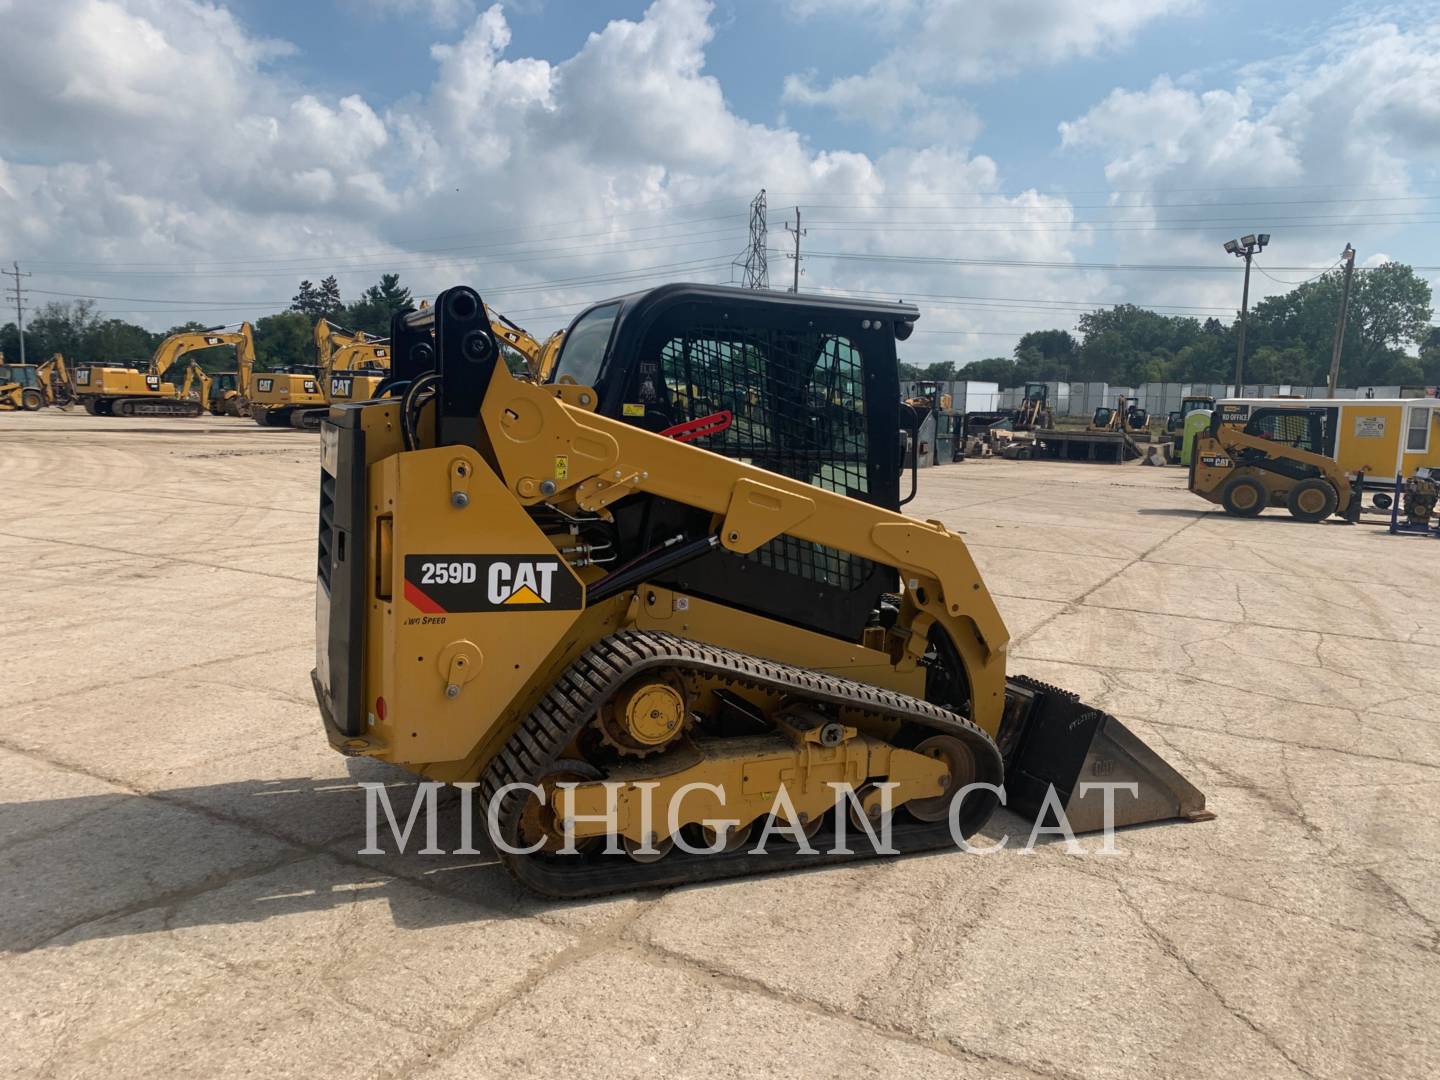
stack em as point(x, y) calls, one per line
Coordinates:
point(607, 665)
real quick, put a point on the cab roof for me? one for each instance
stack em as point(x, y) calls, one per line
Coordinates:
point(638, 304)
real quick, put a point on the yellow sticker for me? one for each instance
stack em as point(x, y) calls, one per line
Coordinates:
point(632, 410)
point(562, 466)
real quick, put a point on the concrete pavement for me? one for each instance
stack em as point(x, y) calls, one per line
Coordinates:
point(182, 894)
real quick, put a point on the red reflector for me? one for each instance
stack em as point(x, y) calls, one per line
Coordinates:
point(380, 708)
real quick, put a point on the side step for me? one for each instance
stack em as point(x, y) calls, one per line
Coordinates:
point(1049, 737)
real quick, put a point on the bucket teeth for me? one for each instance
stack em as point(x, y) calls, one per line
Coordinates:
point(1050, 738)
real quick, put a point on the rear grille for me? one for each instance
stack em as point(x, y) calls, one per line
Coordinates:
point(327, 528)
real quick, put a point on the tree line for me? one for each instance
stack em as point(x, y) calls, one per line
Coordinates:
point(1288, 339)
point(285, 339)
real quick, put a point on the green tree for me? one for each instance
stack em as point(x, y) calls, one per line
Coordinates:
point(372, 312)
point(58, 327)
point(308, 301)
point(115, 341)
point(1390, 307)
point(996, 369)
point(331, 305)
point(284, 340)
point(1130, 345)
point(1046, 354)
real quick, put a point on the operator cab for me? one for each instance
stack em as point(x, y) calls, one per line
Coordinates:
point(805, 386)
point(22, 374)
point(811, 383)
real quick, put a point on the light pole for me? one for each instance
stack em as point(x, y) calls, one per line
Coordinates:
point(1244, 248)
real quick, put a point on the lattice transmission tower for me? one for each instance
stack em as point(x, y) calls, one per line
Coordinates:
point(756, 269)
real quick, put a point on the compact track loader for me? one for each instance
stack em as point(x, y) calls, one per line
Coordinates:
point(678, 567)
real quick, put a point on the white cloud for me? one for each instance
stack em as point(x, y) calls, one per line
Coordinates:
point(1362, 108)
point(943, 44)
point(203, 172)
point(1331, 129)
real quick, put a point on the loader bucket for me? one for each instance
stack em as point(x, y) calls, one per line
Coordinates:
point(1049, 737)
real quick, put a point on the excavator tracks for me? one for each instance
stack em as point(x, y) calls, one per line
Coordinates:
point(161, 407)
point(542, 738)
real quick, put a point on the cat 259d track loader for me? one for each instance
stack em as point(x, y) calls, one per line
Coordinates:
point(680, 561)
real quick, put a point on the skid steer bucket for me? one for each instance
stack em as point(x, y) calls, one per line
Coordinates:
point(1051, 738)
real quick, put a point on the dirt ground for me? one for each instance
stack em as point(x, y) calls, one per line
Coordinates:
point(182, 894)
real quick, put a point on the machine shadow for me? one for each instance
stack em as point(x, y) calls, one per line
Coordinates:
point(114, 865)
point(95, 867)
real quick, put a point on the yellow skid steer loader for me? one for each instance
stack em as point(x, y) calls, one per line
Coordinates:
point(675, 572)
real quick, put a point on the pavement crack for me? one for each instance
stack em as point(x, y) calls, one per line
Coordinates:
point(1171, 950)
point(1074, 605)
point(952, 1048)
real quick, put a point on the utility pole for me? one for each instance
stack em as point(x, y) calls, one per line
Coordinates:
point(1244, 248)
point(19, 305)
point(1349, 256)
point(799, 232)
point(756, 267)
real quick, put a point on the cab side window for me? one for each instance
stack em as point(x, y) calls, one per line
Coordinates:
point(1300, 429)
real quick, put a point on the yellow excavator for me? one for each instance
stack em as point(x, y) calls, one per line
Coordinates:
point(297, 396)
point(219, 392)
point(539, 356)
point(355, 367)
point(357, 373)
point(657, 638)
point(108, 390)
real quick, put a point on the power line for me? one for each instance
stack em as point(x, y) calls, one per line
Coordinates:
point(526, 232)
point(634, 275)
point(1305, 281)
point(820, 193)
point(400, 262)
point(1037, 264)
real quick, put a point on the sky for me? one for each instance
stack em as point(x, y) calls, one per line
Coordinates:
point(1004, 165)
